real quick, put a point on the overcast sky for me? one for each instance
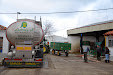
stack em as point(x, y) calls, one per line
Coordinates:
point(61, 22)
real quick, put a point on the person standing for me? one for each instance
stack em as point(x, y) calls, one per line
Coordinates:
point(85, 54)
point(107, 55)
point(99, 50)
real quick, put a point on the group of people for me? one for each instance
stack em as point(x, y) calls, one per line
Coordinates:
point(99, 50)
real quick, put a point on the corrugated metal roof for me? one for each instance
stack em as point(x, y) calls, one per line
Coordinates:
point(106, 25)
point(2, 27)
point(98, 23)
point(109, 33)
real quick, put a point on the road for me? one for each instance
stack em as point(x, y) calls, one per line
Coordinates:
point(61, 65)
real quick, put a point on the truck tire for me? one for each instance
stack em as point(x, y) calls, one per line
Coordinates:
point(58, 53)
point(66, 53)
point(53, 51)
point(47, 49)
point(2, 62)
point(39, 54)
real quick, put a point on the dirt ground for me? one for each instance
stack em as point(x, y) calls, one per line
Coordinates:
point(61, 65)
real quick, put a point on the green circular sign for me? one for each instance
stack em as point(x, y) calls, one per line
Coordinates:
point(24, 24)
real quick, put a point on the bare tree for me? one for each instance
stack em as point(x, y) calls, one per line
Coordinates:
point(48, 28)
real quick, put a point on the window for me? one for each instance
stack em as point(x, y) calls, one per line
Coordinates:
point(110, 43)
point(1, 44)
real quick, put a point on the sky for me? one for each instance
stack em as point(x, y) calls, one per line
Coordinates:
point(61, 22)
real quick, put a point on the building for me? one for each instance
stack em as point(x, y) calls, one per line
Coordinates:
point(4, 44)
point(54, 38)
point(93, 33)
point(109, 42)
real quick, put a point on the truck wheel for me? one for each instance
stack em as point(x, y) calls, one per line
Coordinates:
point(66, 53)
point(46, 49)
point(2, 63)
point(53, 51)
point(39, 54)
point(58, 53)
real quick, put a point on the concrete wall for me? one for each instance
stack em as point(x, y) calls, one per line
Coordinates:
point(89, 38)
point(75, 43)
point(101, 38)
point(5, 47)
point(107, 43)
point(55, 38)
point(92, 38)
point(111, 53)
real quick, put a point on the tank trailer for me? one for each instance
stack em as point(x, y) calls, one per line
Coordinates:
point(26, 38)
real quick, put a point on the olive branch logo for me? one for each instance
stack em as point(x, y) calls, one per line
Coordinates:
point(24, 25)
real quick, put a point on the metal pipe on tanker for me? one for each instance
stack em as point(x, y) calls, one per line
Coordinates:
point(23, 31)
point(17, 14)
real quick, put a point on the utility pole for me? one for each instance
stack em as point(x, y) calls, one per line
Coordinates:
point(35, 18)
point(17, 14)
point(81, 44)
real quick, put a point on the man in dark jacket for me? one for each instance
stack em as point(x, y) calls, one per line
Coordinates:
point(99, 50)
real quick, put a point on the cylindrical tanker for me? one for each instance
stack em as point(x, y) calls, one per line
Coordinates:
point(25, 30)
point(27, 50)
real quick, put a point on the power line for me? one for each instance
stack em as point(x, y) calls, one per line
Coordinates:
point(11, 13)
point(59, 12)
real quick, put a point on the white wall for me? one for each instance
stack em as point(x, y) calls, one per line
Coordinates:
point(101, 38)
point(75, 43)
point(5, 47)
point(107, 43)
point(111, 53)
point(89, 38)
point(92, 38)
point(55, 38)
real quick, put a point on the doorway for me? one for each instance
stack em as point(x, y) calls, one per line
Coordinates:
point(1, 44)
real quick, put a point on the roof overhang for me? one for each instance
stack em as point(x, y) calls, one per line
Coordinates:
point(91, 30)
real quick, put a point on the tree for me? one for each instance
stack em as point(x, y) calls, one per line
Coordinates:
point(48, 28)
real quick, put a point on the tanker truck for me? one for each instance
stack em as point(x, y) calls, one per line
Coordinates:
point(26, 39)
